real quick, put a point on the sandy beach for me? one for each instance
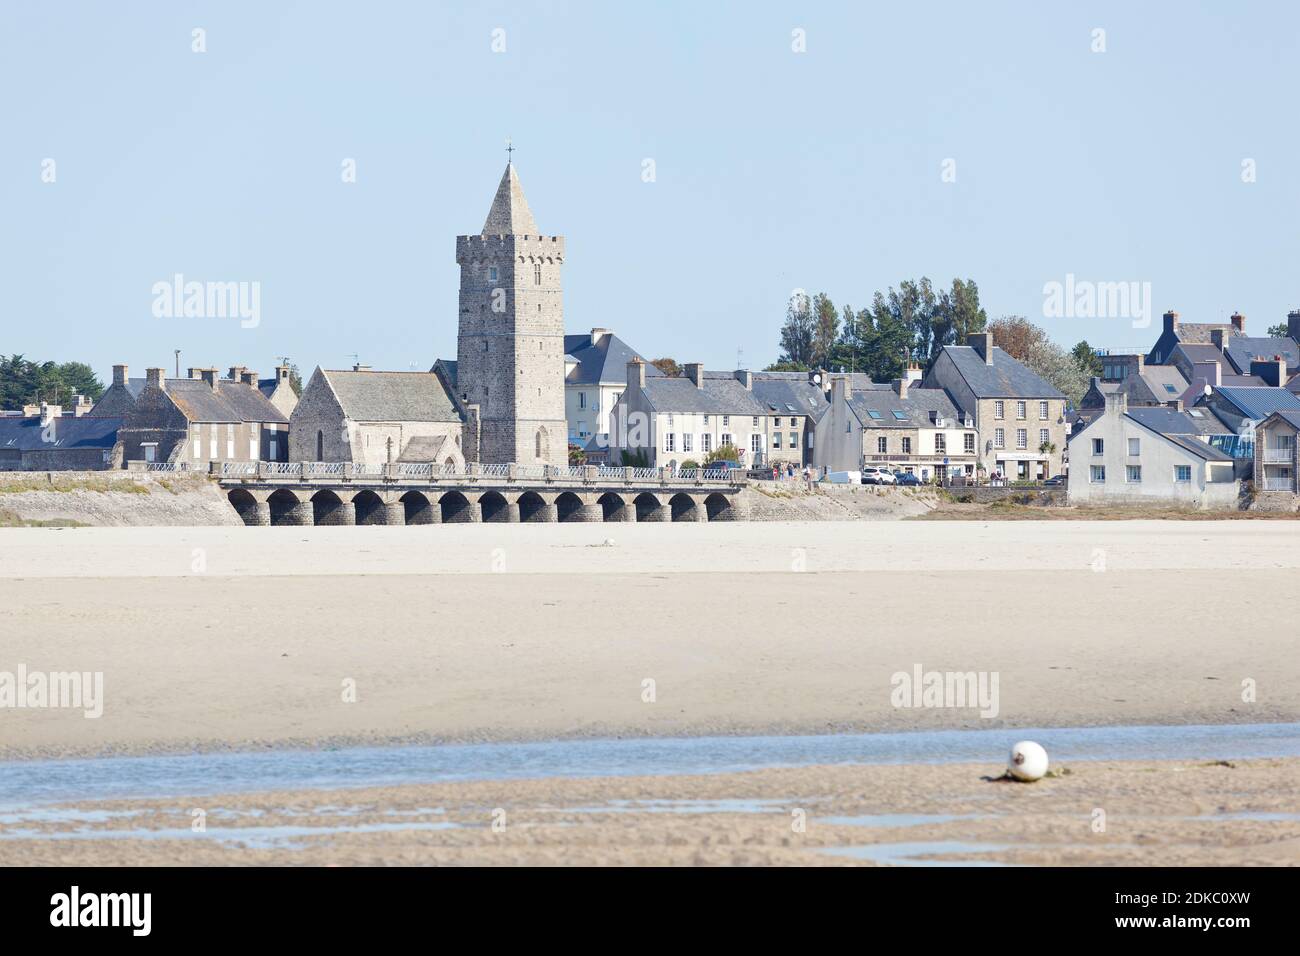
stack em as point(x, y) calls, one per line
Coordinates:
point(245, 638)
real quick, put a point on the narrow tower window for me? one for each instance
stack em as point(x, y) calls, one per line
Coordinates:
point(537, 273)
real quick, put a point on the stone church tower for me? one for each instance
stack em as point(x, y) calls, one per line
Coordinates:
point(510, 348)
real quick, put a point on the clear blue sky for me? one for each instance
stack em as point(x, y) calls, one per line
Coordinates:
point(775, 170)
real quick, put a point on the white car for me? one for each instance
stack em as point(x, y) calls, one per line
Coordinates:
point(878, 476)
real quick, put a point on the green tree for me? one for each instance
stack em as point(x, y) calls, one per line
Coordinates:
point(1086, 357)
point(957, 315)
point(722, 453)
point(797, 332)
point(668, 366)
point(1279, 331)
point(295, 380)
point(826, 327)
point(786, 367)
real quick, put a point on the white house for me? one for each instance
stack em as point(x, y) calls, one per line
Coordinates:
point(1157, 455)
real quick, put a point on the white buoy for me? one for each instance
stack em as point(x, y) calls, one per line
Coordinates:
point(1027, 761)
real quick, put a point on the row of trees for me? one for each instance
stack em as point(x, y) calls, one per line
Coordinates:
point(912, 324)
point(24, 382)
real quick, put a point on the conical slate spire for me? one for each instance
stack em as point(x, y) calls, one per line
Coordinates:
point(510, 215)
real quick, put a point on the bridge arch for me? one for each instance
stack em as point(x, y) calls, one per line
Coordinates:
point(568, 507)
point(369, 508)
point(493, 507)
point(718, 507)
point(418, 509)
point(683, 507)
point(288, 509)
point(613, 507)
point(532, 507)
point(648, 507)
point(245, 505)
point(456, 508)
point(327, 508)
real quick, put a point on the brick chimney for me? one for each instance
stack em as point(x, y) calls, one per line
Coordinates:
point(1238, 322)
point(361, 368)
point(746, 378)
point(1176, 404)
point(81, 404)
point(119, 374)
point(1219, 338)
point(249, 378)
point(901, 385)
point(153, 378)
point(597, 335)
point(1272, 371)
point(1171, 321)
point(913, 372)
point(636, 373)
point(1116, 402)
point(1293, 324)
point(1212, 372)
point(695, 372)
point(209, 376)
point(982, 343)
point(49, 413)
point(237, 373)
point(282, 373)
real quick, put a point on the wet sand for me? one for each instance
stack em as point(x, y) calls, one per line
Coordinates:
point(1177, 813)
point(222, 638)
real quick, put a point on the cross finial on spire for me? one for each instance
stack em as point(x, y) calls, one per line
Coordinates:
point(510, 150)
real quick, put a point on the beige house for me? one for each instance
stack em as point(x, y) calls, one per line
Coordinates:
point(1019, 416)
point(902, 427)
point(201, 419)
point(1277, 444)
point(595, 374)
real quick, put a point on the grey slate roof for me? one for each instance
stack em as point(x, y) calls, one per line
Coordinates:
point(1243, 348)
point(423, 448)
point(1259, 403)
point(784, 396)
point(1197, 447)
point(1170, 421)
point(230, 402)
point(718, 396)
point(605, 361)
point(392, 396)
point(916, 407)
point(1291, 416)
point(1005, 378)
point(26, 434)
point(1199, 332)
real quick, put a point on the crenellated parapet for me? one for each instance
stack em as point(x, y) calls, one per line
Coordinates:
point(475, 250)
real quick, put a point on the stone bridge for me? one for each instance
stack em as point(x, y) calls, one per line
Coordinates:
point(270, 493)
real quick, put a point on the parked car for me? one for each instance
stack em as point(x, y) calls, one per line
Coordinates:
point(1054, 482)
point(878, 476)
point(906, 478)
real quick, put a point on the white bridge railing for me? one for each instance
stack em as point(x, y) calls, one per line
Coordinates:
point(327, 471)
